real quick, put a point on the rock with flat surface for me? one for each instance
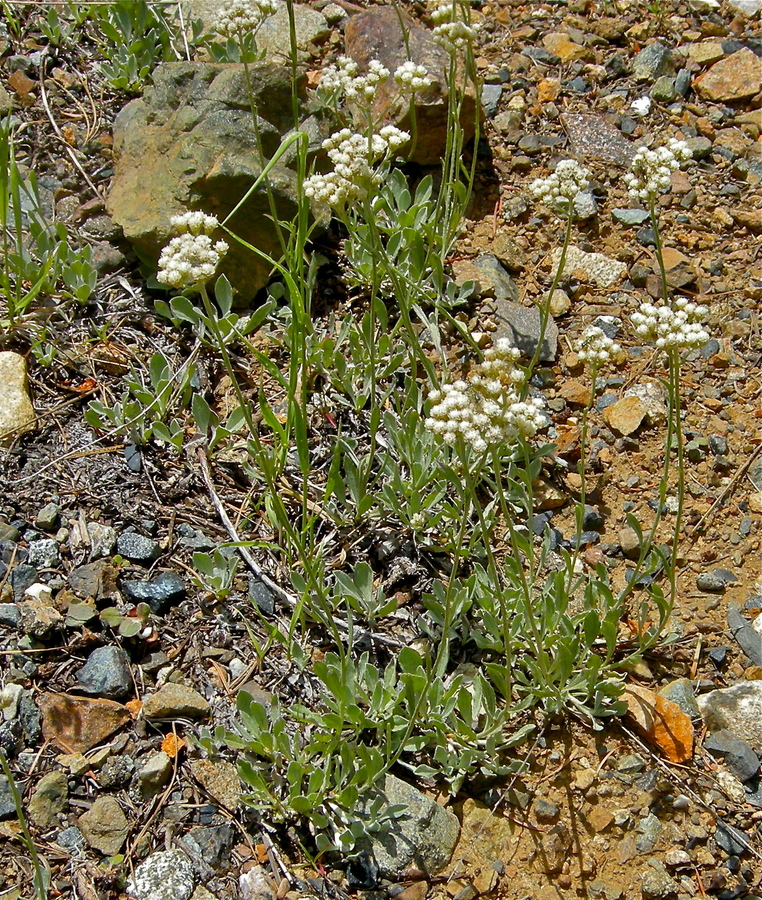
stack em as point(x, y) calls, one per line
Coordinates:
point(423, 838)
point(591, 136)
point(626, 415)
point(77, 724)
point(105, 826)
point(16, 411)
point(735, 78)
point(106, 673)
point(49, 799)
point(737, 708)
point(378, 33)
point(174, 700)
point(189, 143)
point(652, 61)
point(522, 326)
point(593, 267)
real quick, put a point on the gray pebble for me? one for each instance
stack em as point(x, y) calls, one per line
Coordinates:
point(47, 517)
point(137, 548)
point(710, 583)
point(164, 590)
point(630, 216)
point(106, 673)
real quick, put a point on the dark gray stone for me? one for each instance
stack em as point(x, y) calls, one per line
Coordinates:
point(521, 325)
point(592, 518)
point(532, 144)
point(29, 718)
point(491, 94)
point(503, 286)
point(22, 577)
point(165, 590)
point(71, 839)
point(106, 673)
point(541, 55)
point(212, 843)
point(261, 594)
point(137, 548)
point(9, 615)
point(649, 829)
point(718, 655)
point(683, 82)
point(7, 807)
point(701, 147)
point(733, 841)
point(749, 640)
point(739, 756)
point(546, 810)
point(193, 539)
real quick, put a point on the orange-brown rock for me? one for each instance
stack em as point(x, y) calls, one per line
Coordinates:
point(76, 724)
point(626, 415)
point(662, 722)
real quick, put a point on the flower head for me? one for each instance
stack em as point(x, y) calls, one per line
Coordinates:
point(673, 326)
point(353, 157)
point(452, 32)
point(343, 78)
point(651, 169)
point(486, 410)
point(238, 17)
point(412, 77)
point(191, 258)
point(596, 348)
point(559, 189)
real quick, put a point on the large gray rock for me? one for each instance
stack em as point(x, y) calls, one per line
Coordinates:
point(189, 143)
point(16, 411)
point(378, 34)
point(424, 837)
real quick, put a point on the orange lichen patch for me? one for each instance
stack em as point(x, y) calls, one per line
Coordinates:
point(172, 745)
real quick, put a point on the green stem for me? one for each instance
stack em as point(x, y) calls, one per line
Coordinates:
point(544, 307)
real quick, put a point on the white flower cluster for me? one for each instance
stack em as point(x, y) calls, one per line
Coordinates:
point(651, 169)
point(412, 77)
point(353, 156)
point(672, 327)
point(237, 17)
point(450, 31)
point(596, 347)
point(343, 78)
point(559, 189)
point(191, 258)
point(486, 410)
